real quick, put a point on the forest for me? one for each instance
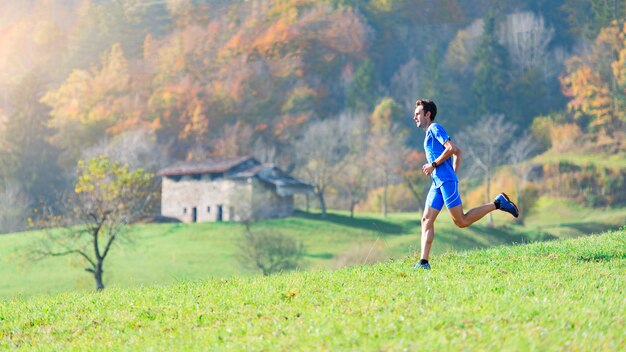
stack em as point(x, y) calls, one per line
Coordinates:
point(324, 89)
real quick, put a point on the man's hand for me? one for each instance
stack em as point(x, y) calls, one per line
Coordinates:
point(427, 169)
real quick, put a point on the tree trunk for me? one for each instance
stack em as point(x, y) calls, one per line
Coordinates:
point(98, 276)
point(352, 205)
point(307, 203)
point(320, 196)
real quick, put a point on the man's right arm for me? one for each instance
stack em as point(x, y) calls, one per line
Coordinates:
point(457, 155)
point(456, 159)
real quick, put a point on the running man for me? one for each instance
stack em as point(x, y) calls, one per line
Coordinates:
point(444, 160)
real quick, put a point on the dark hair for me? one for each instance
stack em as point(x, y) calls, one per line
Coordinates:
point(428, 105)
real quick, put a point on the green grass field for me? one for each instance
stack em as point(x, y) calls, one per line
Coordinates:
point(558, 295)
point(609, 160)
point(169, 253)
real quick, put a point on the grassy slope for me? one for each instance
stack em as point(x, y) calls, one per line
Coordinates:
point(168, 253)
point(559, 295)
point(609, 160)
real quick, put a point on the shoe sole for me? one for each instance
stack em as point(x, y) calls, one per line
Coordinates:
point(514, 206)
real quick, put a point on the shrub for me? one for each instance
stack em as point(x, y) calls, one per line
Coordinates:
point(540, 130)
point(564, 137)
point(527, 200)
point(269, 252)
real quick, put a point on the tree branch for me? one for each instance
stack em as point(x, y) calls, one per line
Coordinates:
point(96, 232)
point(68, 252)
point(108, 246)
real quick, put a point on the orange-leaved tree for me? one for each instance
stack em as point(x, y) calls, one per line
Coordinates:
point(596, 82)
point(90, 102)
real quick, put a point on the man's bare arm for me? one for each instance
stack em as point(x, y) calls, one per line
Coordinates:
point(450, 151)
point(456, 160)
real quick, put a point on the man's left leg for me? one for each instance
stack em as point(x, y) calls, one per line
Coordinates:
point(465, 219)
point(452, 199)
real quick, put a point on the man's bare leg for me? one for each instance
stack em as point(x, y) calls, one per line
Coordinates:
point(475, 214)
point(428, 230)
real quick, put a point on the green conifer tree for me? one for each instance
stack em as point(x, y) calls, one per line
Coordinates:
point(489, 85)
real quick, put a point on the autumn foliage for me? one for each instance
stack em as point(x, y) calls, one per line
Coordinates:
point(227, 78)
point(596, 83)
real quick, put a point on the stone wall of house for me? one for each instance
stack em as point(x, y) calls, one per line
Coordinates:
point(209, 199)
point(267, 204)
point(236, 199)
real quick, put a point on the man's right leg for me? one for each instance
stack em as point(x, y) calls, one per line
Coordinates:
point(428, 230)
point(434, 203)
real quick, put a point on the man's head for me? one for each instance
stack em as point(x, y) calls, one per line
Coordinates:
point(425, 112)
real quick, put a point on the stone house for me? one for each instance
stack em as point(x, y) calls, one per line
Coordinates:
point(233, 189)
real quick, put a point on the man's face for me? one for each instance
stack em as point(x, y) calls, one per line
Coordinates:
point(420, 116)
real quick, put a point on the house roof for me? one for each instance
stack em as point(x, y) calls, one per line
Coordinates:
point(284, 183)
point(207, 166)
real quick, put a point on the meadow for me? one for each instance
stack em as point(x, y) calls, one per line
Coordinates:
point(164, 254)
point(557, 295)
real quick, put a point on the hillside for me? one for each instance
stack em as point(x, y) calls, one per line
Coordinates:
point(543, 296)
point(169, 253)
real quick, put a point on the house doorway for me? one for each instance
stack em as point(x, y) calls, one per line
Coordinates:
point(219, 213)
point(194, 214)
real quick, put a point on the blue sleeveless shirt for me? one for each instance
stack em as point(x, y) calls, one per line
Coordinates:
point(435, 138)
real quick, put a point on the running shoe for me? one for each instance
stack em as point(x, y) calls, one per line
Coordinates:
point(425, 266)
point(507, 205)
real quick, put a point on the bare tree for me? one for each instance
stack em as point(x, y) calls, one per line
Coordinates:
point(405, 82)
point(269, 252)
point(108, 196)
point(521, 149)
point(354, 180)
point(526, 37)
point(481, 143)
point(321, 153)
point(384, 155)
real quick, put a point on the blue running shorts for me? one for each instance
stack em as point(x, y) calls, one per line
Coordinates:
point(447, 193)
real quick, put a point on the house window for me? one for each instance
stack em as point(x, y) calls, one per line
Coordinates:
point(184, 210)
point(196, 176)
point(208, 209)
point(174, 178)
